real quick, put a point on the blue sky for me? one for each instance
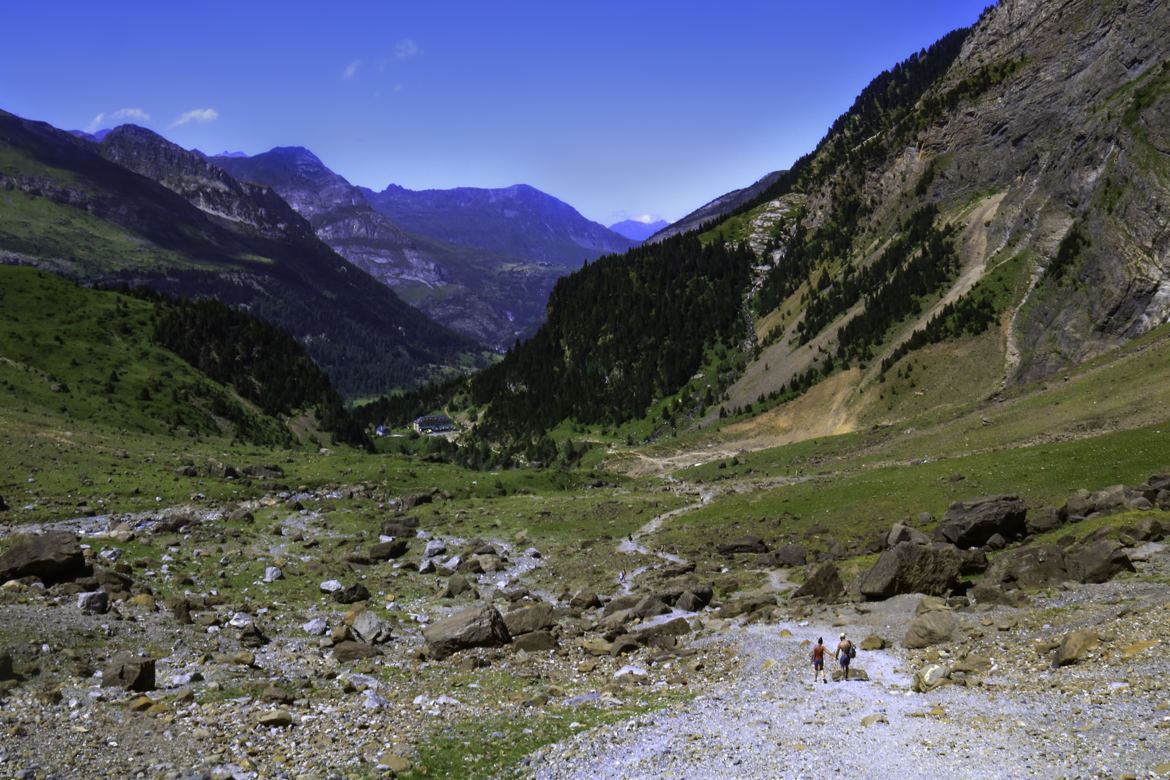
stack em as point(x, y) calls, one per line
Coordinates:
point(621, 109)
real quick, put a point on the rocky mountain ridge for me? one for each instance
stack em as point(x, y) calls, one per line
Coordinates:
point(206, 186)
point(176, 223)
point(718, 207)
point(480, 261)
point(520, 221)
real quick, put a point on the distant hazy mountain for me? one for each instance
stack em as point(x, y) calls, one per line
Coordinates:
point(491, 297)
point(99, 135)
point(636, 230)
point(520, 221)
point(136, 209)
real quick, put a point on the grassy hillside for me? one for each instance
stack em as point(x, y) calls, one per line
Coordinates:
point(79, 365)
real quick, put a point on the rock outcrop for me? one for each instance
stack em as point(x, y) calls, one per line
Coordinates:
point(913, 568)
point(51, 556)
point(973, 522)
point(478, 626)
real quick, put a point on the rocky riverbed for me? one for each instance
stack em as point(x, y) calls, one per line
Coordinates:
point(336, 666)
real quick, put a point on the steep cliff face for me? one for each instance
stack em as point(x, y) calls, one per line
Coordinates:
point(206, 186)
point(1076, 137)
point(1042, 141)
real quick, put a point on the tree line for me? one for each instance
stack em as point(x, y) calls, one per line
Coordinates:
point(265, 365)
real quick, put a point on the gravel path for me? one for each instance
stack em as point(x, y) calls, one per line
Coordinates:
point(769, 720)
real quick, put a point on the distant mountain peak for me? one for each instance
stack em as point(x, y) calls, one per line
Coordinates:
point(639, 229)
point(294, 152)
point(519, 221)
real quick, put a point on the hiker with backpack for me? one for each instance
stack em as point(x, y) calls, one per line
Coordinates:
point(845, 653)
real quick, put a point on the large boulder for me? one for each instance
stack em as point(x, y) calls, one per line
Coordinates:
point(529, 619)
point(972, 522)
point(992, 593)
point(929, 677)
point(349, 650)
point(1099, 561)
point(478, 626)
point(385, 551)
point(1111, 499)
point(1047, 519)
point(535, 641)
point(1153, 486)
point(1075, 646)
point(792, 555)
point(744, 544)
point(748, 605)
point(691, 602)
point(620, 603)
point(931, 628)
point(1147, 529)
point(352, 594)
point(129, 672)
point(900, 532)
point(399, 526)
point(673, 590)
point(614, 624)
point(654, 634)
point(650, 606)
point(823, 585)
point(52, 556)
point(457, 586)
point(913, 568)
point(584, 599)
point(370, 628)
point(1029, 567)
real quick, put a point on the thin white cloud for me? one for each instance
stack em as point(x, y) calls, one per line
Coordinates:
point(351, 69)
point(406, 49)
point(646, 219)
point(199, 115)
point(117, 117)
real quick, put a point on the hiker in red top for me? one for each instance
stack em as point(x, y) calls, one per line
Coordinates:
point(843, 654)
point(818, 658)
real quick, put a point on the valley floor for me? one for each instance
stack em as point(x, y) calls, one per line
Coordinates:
point(735, 698)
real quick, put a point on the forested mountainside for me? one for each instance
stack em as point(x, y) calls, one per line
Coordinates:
point(180, 225)
point(147, 364)
point(986, 213)
point(621, 333)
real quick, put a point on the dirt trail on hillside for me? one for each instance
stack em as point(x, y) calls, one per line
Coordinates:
point(825, 410)
point(832, 407)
